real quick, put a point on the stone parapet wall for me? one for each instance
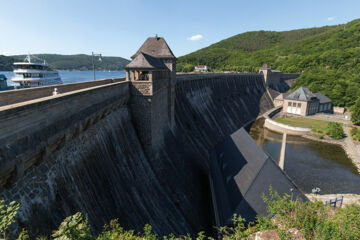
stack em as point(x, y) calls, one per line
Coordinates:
point(27, 94)
point(189, 77)
point(31, 130)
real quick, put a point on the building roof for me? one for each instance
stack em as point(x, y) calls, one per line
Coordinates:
point(155, 47)
point(281, 96)
point(144, 61)
point(322, 98)
point(200, 66)
point(273, 93)
point(301, 94)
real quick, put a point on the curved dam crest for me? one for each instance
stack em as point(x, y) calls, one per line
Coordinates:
point(81, 151)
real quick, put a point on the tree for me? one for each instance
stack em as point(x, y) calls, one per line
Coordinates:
point(7, 215)
point(74, 227)
point(355, 112)
point(335, 130)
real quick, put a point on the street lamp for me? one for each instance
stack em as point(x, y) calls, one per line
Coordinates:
point(93, 62)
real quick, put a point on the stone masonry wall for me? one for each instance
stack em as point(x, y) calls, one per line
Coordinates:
point(27, 94)
point(83, 152)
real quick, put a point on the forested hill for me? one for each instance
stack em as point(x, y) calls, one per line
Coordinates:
point(329, 57)
point(6, 63)
point(77, 62)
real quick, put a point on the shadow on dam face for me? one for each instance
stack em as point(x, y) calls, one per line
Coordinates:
point(207, 210)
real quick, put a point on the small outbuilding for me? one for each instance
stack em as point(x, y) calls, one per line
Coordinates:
point(303, 102)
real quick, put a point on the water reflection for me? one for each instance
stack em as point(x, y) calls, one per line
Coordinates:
point(309, 163)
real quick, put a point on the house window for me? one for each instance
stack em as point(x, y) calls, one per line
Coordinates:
point(289, 104)
point(299, 105)
point(294, 104)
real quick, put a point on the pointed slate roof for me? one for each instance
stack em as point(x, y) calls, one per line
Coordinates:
point(155, 47)
point(301, 94)
point(144, 61)
point(322, 98)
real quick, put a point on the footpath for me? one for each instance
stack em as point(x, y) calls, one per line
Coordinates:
point(348, 198)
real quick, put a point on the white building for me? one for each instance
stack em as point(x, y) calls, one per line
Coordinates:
point(201, 68)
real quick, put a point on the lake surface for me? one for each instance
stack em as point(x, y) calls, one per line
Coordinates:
point(76, 76)
point(309, 163)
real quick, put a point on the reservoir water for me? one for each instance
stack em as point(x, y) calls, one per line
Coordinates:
point(76, 76)
point(309, 163)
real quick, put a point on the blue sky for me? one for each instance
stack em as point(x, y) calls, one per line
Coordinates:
point(119, 27)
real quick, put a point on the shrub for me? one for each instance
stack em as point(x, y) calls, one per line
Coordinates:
point(335, 130)
point(74, 227)
point(7, 216)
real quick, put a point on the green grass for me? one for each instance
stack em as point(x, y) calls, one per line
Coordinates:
point(317, 125)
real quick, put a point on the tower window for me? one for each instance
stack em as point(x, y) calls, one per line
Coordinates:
point(144, 75)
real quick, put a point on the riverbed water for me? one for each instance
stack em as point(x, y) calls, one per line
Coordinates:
point(76, 76)
point(310, 163)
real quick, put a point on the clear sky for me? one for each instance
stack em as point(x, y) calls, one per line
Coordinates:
point(119, 27)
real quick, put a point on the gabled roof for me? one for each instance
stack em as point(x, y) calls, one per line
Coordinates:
point(144, 61)
point(301, 94)
point(281, 96)
point(322, 98)
point(155, 47)
point(273, 93)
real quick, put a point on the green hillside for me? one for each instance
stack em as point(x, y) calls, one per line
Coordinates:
point(328, 57)
point(6, 63)
point(79, 62)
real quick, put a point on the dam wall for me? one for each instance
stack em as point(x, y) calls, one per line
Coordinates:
point(208, 108)
point(27, 94)
point(81, 151)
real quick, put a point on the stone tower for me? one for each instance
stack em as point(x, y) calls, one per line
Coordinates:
point(265, 70)
point(152, 76)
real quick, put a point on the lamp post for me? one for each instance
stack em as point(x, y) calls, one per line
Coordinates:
point(93, 62)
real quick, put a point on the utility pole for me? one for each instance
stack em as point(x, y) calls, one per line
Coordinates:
point(93, 62)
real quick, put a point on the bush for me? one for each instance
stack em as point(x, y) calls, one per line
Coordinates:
point(335, 130)
point(355, 133)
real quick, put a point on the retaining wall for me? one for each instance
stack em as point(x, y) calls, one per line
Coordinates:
point(283, 128)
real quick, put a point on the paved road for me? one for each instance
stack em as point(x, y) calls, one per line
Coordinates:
point(330, 118)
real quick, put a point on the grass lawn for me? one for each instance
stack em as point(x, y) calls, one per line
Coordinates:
point(303, 122)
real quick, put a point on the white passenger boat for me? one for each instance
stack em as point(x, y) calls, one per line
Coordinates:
point(34, 74)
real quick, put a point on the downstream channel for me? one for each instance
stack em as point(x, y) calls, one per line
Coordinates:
point(310, 163)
